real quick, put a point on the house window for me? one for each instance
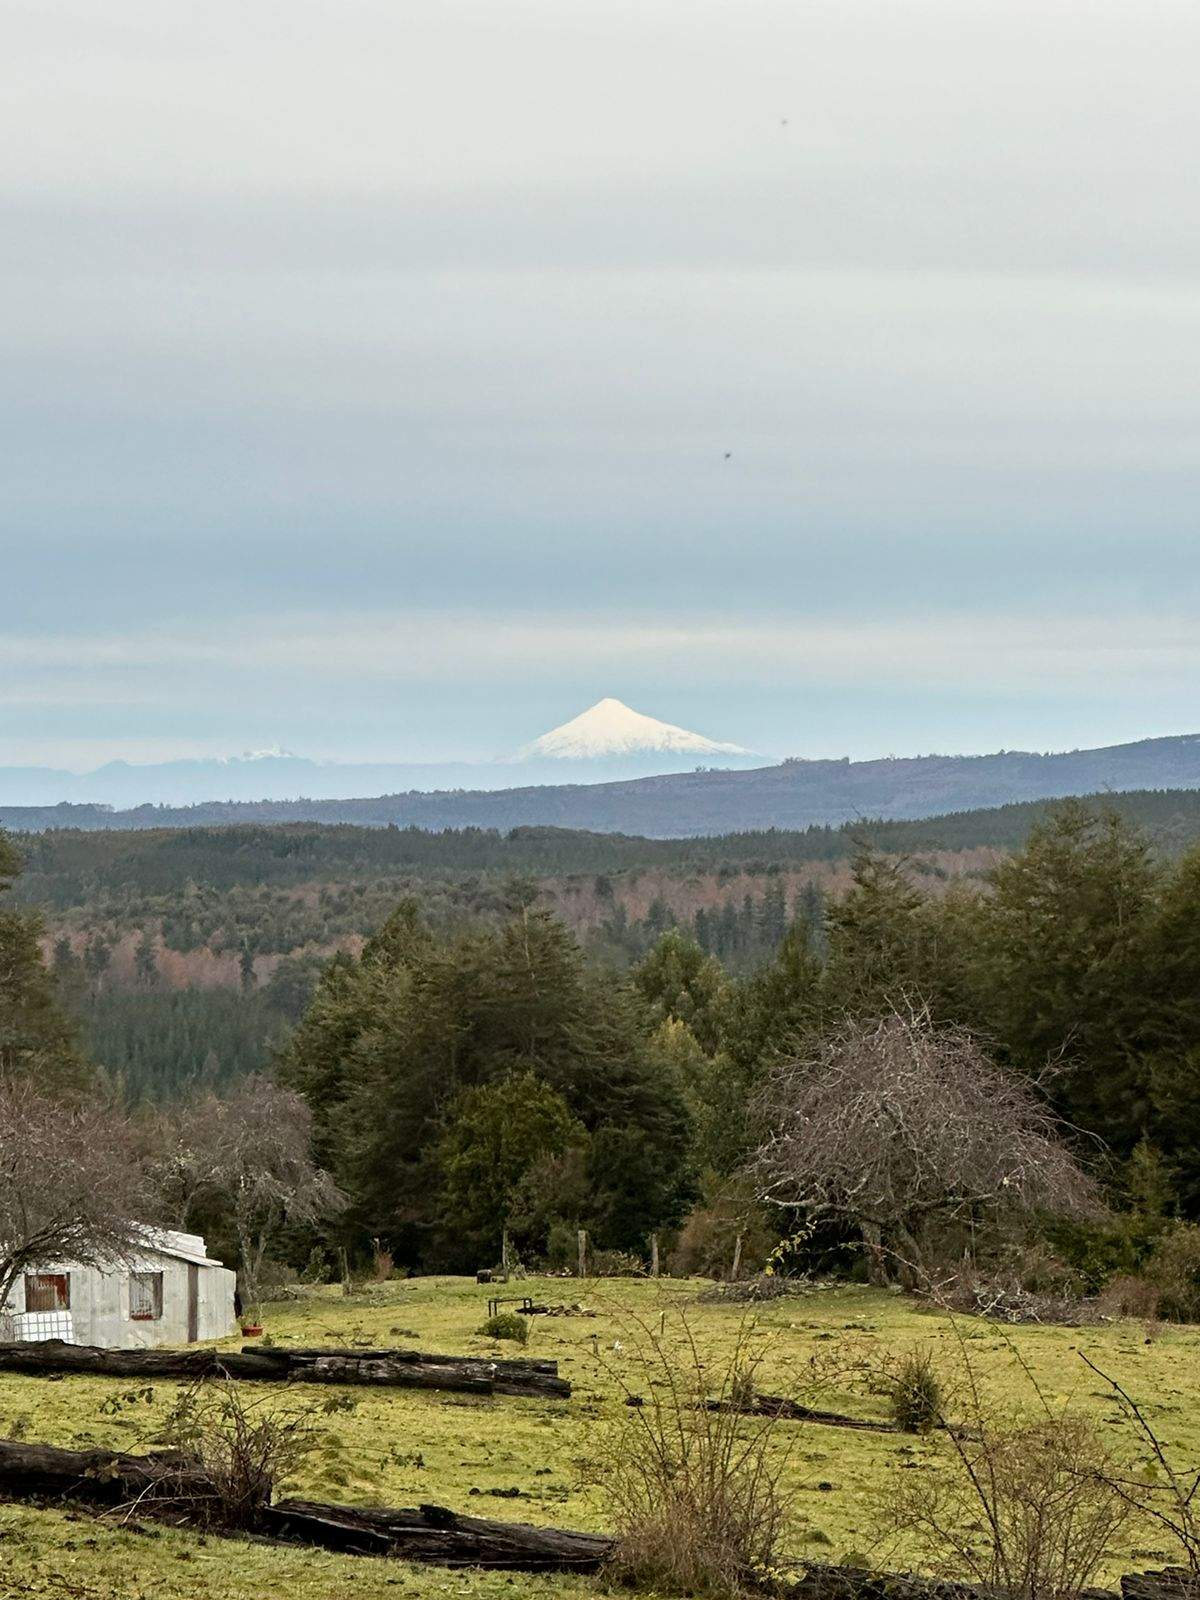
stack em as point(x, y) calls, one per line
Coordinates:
point(47, 1291)
point(145, 1296)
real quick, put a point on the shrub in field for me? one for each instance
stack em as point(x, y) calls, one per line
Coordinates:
point(1131, 1296)
point(708, 1235)
point(506, 1325)
point(1029, 1509)
point(1174, 1270)
point(240, 1448)
point(916, 1394)
point(693, 1491)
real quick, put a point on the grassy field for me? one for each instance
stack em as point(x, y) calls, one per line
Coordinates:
point(401, 1448)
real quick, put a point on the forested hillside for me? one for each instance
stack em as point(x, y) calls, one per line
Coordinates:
point(186, 952)
point(477, 1058)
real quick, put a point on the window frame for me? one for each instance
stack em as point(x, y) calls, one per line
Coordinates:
point(151, 1281)
point(41, 1283)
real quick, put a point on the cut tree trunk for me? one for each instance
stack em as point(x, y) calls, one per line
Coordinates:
point(164, 1486)
point(101, 1477)
point(434, 1534)
point(397, 1369)
point(513, 1364)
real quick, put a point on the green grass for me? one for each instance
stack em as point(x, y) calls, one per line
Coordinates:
point(398, 1447)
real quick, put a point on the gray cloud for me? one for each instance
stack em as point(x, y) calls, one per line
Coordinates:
point(451, 310)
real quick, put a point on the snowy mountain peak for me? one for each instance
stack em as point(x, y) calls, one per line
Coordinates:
point(610, 728)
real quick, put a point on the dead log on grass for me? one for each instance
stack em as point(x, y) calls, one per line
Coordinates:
point(167, 1486)
point(511, 1368)
point(786, 1410)
point(391, 1369)
point(99, 1477)
point(435, 1535)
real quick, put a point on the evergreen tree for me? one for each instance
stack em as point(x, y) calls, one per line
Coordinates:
point(1065, 962)
point(36, 1040)
point(394, 1039)
point(873, 935)
point(678, 981)
point(493, 1135)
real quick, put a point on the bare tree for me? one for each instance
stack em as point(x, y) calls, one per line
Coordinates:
point(894, 1124)
point(250, 1152)
point(72, 1186)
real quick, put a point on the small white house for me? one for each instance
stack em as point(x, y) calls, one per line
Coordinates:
point(170, 1291)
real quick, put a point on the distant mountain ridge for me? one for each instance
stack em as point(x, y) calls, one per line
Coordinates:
point(793, 795)
point(607, 741)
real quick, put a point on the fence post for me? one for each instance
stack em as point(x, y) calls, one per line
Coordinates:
point(654, 1255)
point(504, 1254)
point(735, 1270)
point(582, 1253)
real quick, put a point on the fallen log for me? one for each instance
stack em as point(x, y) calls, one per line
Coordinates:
point(438, 1536)
point(1172, 1583)
point(462, 1375)
point(54, 1355)
point(859, 1583)
point(166, 1486)
point(779, 1406)
point(522, 1367)
point(100, 1477)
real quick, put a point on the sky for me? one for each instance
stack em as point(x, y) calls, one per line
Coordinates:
point(392, 379)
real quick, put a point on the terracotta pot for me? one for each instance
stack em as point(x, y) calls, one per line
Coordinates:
point(251, 1330)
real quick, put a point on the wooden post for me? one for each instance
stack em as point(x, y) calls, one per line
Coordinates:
point(582, 1273)
point(347, 1287)
point(654, 1255)
point(735, 1270)
point(504, 1255)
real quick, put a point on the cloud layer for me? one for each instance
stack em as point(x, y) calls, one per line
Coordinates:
point(394, 381)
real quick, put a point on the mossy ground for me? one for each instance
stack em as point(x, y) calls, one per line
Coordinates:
point(398, 1447)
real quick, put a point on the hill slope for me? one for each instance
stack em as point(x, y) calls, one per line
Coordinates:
point(795, 794)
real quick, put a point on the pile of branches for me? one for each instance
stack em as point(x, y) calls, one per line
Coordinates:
point(1002, 1298)
point(750, 1291)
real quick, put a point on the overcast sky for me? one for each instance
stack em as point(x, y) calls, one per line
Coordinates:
point(393, 378)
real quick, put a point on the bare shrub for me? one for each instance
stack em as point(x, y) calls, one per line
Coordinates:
point(250, 1153)
point(901, 1127)
point(240, 1449)
point(694, 1493)
point(1130, 1296)
point(1029, 1508)
point(708, 1236)
point(615, 1264)
point(1160, 1487)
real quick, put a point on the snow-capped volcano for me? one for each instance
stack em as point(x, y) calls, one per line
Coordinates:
point(610, 729)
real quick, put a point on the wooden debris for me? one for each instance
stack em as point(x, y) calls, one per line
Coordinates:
point(100, 1477)
point(398, 1369)
point(434, 1534)
point(778, 1405)
point(165, 1486)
